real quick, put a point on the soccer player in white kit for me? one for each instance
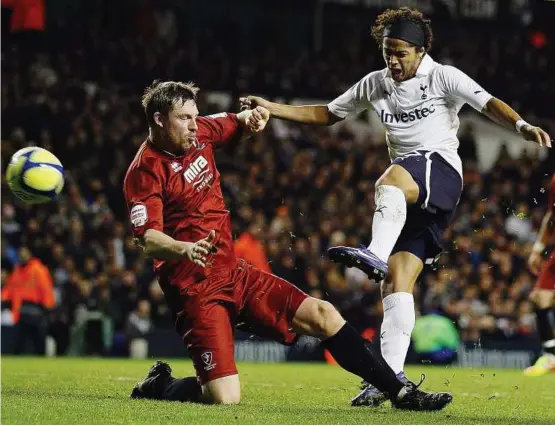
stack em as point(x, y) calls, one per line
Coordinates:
point(417, 100)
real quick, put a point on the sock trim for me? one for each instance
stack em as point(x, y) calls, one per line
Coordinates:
point(391, 204)
point(394, 299)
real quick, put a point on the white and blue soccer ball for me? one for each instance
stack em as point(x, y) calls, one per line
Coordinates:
point(35, 175)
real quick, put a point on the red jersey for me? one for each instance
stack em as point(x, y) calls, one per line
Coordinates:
point(181, 197)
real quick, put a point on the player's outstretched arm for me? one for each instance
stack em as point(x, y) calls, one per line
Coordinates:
point(163, 247)
point(306, 114)
point(503, 114)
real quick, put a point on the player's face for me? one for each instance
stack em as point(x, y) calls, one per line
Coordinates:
point(401, 58)
point(181, 125)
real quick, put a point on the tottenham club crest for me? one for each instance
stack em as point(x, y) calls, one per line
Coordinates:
point(207, 359)
point(424, 90)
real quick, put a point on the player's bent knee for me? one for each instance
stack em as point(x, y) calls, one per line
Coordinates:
point(400, 178)
point(317, 318)
point(533, 296)
point(330, 319)
point(386, 179)
point(222, 391)
point(543, 299)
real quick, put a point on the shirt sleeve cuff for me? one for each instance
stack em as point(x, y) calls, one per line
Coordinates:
point(336, 110)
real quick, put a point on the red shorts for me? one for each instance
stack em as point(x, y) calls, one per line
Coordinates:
point(546, 279)
point(244, 296)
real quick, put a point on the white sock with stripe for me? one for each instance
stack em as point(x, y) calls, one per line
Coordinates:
point(389, 219)
point(398, 322)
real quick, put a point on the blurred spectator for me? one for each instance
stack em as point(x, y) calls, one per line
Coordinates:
point(249, 247)
point(28, 290)
point(467, 144)
point(138, 327)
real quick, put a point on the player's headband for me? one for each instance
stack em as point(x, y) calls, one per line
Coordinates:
point(408, 31)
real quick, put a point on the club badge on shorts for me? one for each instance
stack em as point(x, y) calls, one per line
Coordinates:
point(207, 359)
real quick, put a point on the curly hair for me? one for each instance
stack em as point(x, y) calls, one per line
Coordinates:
point(392, 16)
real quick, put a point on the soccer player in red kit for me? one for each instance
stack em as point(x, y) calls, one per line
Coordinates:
point(543, 293)
point(177, 211)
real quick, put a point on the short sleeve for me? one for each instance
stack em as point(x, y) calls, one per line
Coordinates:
point(143, 195)
point(219, 129)
point(353, 101)
point(460, 86)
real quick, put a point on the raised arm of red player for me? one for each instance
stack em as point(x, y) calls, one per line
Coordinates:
point(227, 128)
point(219, 129)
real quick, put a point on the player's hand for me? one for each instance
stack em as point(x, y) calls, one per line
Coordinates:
point(534, 262)
point(251, 102)
point(257, 120)
point(536, 134)
point(199, 251)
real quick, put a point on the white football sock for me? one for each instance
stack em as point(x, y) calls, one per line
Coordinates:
point(389, 219)
point(398, 322)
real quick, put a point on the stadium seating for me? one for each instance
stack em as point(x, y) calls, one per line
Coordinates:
point(304, 188)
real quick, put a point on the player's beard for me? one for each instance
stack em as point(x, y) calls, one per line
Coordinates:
point(188, 143)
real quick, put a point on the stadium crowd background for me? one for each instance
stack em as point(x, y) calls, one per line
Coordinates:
point(293, 191)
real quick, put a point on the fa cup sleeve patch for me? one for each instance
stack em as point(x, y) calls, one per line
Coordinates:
point(139, 216)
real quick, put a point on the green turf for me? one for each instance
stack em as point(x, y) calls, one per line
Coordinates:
point(93, 391)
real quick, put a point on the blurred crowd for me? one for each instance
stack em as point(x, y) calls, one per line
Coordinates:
point(293, 191)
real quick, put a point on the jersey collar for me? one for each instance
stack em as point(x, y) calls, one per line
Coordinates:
point(426, 65)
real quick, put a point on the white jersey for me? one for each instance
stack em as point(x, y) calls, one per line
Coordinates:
point(418, 114)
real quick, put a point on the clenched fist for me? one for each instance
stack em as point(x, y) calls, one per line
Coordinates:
point(258, 118)
point(199, 251)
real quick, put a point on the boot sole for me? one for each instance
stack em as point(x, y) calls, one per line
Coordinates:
point(354, 262)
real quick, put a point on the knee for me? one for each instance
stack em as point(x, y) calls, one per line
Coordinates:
point(400, 179)
point(543, 299)
point(326, 320)
point(533, 297)
point(223, 391)
point(386, 179)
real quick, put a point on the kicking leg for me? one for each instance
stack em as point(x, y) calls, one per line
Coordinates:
point(394, 190)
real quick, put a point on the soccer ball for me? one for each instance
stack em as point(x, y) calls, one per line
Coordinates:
point(35, 175)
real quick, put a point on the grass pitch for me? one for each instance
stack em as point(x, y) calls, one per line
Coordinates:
point(96, 391)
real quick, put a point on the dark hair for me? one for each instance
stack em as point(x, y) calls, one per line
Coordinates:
point(161, 96)
point(393, 16)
